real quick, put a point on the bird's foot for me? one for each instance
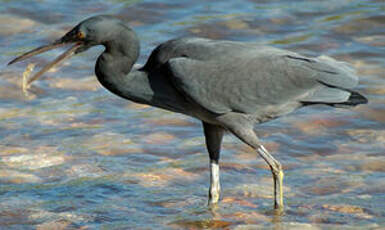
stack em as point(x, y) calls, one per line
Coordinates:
point(278, 190)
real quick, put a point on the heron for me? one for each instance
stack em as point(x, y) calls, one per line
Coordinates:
point(230, 86)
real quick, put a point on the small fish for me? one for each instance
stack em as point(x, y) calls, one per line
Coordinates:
point(26, 73)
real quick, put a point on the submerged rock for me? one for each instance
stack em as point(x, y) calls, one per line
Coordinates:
point(249, 217)
point(106, 144)
point(200, 224)
point(11, 25)
point(367, 135)
point(159, 138)
point(375, 40)
point(28, 161)
point(163, 177)
point(83, 84)
point(16, 177)
point(54, 225)
point(343, 208)
point(237, 201)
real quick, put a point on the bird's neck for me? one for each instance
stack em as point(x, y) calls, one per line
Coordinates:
point(114, 71)
point(115, 63)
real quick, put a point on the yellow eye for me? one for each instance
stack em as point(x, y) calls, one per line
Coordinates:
point(80, 35)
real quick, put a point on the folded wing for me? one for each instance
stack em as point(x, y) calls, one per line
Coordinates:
point(260, 77)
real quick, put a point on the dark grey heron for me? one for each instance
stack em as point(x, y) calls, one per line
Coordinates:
point(228, 85)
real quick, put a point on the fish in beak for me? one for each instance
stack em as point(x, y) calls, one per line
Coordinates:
point(73, 37)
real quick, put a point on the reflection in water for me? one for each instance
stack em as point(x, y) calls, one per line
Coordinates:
point(73, 156)
point(277, 221)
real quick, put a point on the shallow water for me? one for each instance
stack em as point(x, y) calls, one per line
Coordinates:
point(74, 156)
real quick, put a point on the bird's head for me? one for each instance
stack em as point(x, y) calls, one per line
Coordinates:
point(97, 30)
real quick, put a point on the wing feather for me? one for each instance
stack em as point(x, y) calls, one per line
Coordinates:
point(248, 78)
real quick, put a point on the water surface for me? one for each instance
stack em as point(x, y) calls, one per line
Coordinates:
point(74, 156)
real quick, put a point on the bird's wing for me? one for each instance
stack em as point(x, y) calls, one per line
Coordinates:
point(256, 79)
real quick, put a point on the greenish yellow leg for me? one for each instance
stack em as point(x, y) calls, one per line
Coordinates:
point(276, 170)
point(280, 188)
point(281, 175)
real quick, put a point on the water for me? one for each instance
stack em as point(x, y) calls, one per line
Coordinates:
point(74, 156)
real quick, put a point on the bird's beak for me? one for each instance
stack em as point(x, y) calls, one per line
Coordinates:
point(69, 38)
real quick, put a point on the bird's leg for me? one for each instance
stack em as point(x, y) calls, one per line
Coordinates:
point(242, 127)
point(215, 186)
point(250, 138)
point(278, 174)
point(214, 135)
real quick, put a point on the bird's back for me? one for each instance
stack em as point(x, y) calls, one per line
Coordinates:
point(194, 48)
point(228, 76)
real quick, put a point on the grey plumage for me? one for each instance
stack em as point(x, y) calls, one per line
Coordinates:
point(224, 76)
point(228, 85)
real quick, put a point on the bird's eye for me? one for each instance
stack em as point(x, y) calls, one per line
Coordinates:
point(80, 35)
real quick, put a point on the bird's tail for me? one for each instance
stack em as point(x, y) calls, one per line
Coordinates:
point(336, 79)
point(353, 100)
